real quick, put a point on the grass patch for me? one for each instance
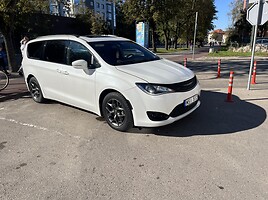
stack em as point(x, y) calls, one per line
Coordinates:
point(236, 54)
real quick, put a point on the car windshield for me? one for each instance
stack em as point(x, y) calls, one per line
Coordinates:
point(122, 52)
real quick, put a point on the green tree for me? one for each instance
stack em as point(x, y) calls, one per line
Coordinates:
point(123, 27)
point(10, 11)
point(164, 14)
point(97, 24)
point(217, 36)
point(142, 10)
point(241, 29)
point(236, 13)
point(173, 18)
point(206, 14)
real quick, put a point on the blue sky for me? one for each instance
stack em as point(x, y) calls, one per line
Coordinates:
point(223, 9)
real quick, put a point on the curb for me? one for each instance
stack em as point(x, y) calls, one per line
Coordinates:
point(206, 58)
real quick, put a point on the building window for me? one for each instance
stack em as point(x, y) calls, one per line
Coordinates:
point(98, 5)
point(109, 16)
point(102, 6)
point(109, 8)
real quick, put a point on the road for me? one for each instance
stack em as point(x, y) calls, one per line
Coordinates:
point(54, 151)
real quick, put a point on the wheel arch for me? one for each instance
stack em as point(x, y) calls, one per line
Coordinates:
point(29, 77)
point(107, 91)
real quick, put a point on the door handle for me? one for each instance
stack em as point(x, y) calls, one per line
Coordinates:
point(65, 72)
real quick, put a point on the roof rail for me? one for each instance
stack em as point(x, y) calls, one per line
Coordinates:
point(98, 36)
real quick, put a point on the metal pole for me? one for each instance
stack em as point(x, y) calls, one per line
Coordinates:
point(252, 56)
point(252, 36)
point(113, 18)
point(196, 16)
point(253, 46)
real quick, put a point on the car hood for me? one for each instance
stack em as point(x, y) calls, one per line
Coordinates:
point(160, 71)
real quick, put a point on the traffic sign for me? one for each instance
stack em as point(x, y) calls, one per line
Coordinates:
point(255, 1)
point(256, 17)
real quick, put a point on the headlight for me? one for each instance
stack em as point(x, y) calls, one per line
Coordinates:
point(153, 89)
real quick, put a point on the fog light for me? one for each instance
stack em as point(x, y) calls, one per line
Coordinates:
point(157, 116)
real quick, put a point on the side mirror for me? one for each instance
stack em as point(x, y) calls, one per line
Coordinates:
point(80, 64)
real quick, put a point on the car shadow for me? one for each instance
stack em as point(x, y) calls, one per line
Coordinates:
point(14, 96)
point(215, 116)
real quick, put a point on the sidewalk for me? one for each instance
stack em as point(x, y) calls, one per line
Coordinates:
point(202, 54)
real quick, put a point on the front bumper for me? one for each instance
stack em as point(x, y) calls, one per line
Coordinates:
point(153, 111)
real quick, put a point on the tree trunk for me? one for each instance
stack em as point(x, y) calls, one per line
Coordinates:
point(153, 39)
point(11, 56)
point(153, 36)
point(176, 36)
point(166, 40)
point(175, 42)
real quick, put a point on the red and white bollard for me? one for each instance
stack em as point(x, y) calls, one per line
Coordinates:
point(219, 69)
point(185, 62)
point(253, 77)
point(230, 87)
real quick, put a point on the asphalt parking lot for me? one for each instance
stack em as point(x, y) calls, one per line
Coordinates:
point(54, 151)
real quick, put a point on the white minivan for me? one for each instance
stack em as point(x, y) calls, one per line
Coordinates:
point(111, 76)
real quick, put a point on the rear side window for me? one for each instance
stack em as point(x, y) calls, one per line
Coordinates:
point(35, 50)
point(55, 51)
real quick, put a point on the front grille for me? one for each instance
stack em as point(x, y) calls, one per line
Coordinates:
point(184, 86)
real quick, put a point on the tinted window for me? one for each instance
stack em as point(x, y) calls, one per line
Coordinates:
point(35, 50)
point(122, 52)
point(265, 41)
point(78, 51)
point(55, 51)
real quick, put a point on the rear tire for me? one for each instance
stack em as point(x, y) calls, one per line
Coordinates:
point(35, 90)
point(117, 112)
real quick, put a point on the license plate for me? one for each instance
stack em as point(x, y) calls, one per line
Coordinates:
point(191, 100)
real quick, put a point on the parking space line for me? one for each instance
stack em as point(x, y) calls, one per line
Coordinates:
point(41, 128)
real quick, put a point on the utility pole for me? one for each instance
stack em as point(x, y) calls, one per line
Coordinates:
point(195, 28)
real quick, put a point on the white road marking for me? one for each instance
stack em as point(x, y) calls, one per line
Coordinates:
point(41, 128)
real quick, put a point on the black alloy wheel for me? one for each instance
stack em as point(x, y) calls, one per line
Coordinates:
point(35, 90)
point(117, 112)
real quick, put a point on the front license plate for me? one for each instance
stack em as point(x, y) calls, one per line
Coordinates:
point(191, 100)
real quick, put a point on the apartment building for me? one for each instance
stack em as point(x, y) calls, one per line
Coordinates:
point(59, 8)
point(104, 9)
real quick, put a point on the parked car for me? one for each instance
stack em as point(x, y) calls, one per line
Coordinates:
point(262, 41)
point(111, 76)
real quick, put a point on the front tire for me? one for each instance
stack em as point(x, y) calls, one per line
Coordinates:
point(35, 90)
point(117, 112)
